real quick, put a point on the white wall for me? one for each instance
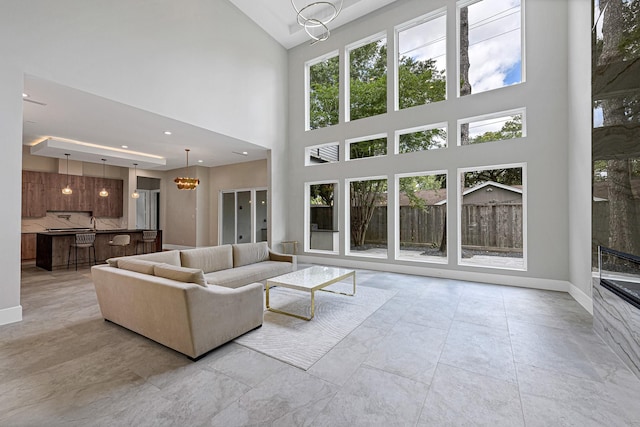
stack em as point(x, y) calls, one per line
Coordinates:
point(10, 173)
point(579, 83)
point(545, 149)
point(199, 61)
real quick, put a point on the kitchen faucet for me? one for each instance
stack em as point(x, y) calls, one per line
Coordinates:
point(94, 222)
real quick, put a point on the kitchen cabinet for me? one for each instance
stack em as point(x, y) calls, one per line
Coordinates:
point(33, 195)
point(28, 246)
point(42, 192)
point(110, 206)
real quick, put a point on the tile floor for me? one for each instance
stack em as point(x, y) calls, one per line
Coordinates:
point(441, 352)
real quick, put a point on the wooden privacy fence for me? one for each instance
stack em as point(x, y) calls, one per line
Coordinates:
point(497, 226)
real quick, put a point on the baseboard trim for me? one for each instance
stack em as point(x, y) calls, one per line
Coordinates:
point(11, 315)
point(470, 276)
point(583, 299)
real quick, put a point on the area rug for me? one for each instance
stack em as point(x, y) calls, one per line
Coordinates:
point(302, 343)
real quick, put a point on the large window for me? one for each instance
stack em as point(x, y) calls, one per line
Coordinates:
point(367, 223)
point(616, 127)
point(322, 217)
point(322, 92)
point(422, 61)
point(367, 78)
point(490, 45)
point(422, 217)
point(492, 217)
point(492, 127)
point(370, 146)
point(421, 138)
point(321, 154)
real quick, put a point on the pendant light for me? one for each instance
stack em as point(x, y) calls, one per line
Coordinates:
point(103, 192)
point(135, 194)
point(186, 183)
point(67, 190)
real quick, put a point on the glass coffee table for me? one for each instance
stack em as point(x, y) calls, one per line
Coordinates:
point(310, 279)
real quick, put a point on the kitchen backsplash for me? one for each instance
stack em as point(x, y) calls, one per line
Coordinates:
point(70, 220)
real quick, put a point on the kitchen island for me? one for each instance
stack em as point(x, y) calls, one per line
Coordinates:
point(52, 247)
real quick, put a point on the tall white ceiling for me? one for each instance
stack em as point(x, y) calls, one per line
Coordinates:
point(279, 19)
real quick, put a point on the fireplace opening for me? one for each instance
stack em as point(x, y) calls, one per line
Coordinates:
point(620, 273)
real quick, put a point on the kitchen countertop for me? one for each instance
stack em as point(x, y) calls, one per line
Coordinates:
point(76, 231)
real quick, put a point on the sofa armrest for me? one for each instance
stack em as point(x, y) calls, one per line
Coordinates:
point(219, 314)
point(275, 256)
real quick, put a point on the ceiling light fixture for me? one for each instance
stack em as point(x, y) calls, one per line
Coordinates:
point(103, 192)
point(314, 16)
point(167, 132)
point(186, 183)
point(67, 190)
point(25, 95)
point(135, 194)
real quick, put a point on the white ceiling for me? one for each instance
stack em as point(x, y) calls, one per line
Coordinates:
point(279, 19)
point(63, 113)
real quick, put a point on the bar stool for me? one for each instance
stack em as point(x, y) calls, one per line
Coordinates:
point(83, 240)
point(148, 236)
point(121, 240)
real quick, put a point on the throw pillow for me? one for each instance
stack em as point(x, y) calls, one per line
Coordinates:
point(181, 274)
point(137, 265)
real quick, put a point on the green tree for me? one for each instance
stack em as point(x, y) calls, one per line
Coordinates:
point(321, 194)
point(323, 95)
point(368, 80)
point(510, 130)
point(364, 197)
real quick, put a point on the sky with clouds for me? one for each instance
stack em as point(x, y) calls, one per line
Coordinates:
point(495, 43)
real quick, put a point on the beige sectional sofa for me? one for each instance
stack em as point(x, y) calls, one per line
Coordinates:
point(192, 300)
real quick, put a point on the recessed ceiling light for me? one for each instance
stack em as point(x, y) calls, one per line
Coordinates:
point(200, 161)
point(124, 146)
point(167, 132)
point(245, 153)
point(25, 95)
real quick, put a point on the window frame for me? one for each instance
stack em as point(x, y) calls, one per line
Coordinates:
point(396, 225)
point(460, 183)
point(307, 215)
point(438, 13)
point(347, 69)
point(347, 221)
point(465, 3)
point(307, 85)
point(400, 132)
point(307, 155)
point(348, 142)
point(489, 116)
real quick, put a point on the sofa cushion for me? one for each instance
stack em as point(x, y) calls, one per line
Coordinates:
point(240, 276)
point(166, 257)
point(138, 265)
point(180, 274)
point(213, 258)
point(250, 253)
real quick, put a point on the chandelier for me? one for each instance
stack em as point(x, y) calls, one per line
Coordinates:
point(103, 192)
point(185, 183)
point(67, 191)
point(314, 16)
point(135, 194)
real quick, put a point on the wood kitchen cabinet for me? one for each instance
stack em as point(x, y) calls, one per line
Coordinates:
point(33, 195)
point(42, 192)
point(110, 206)
point(28, 246)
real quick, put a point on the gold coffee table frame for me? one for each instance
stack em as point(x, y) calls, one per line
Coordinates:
point(310, 280)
